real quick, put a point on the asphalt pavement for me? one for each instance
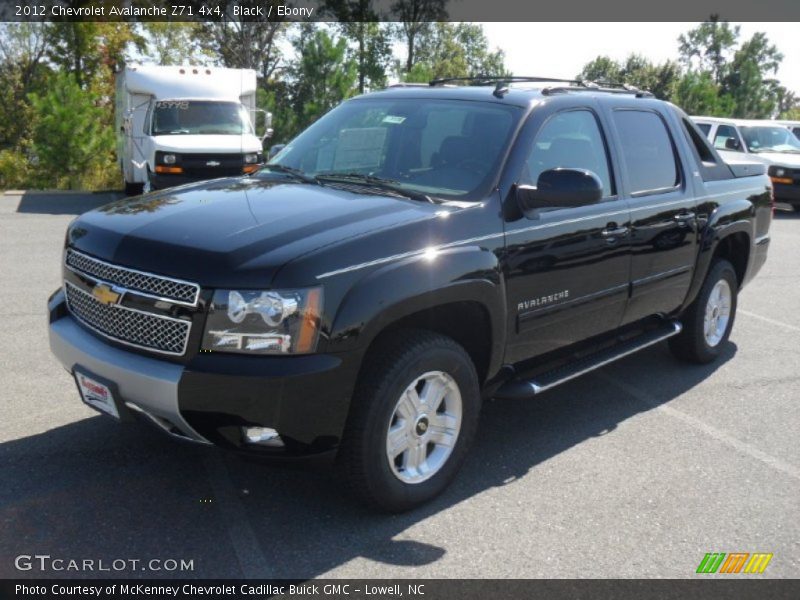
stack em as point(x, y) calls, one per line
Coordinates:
point(636, 470)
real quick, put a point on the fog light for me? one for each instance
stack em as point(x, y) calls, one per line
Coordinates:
point(263, 436)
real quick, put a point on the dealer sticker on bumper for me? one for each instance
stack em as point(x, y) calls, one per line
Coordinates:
point(97, 395)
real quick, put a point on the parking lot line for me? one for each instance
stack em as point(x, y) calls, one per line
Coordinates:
point(768, 320)
point(251, 559)
point(719, 435)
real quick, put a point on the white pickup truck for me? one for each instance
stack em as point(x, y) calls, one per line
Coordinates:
point(176, 125)
point(768, 142)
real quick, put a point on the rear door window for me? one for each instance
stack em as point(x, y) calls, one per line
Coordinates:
point(647, 150)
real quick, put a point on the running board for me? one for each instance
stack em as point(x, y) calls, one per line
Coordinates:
point(520, 389)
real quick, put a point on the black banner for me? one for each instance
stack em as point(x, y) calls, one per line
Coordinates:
point(739, 588)
point(392, 10)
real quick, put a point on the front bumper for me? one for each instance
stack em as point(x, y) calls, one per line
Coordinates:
point(209, 399)
point(784, 192)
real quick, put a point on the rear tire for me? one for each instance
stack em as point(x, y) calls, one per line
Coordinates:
point(413, 417)
point(708, 321)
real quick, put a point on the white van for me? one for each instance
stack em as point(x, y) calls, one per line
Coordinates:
point(768, 142)
point(176, 125)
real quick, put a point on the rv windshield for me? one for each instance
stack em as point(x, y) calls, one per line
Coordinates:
point(199, 117)
point(770, 139)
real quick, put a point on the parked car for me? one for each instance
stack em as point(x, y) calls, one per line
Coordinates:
point(413, 252)
point(178, 125)
point(769, 142)
point(793, 126)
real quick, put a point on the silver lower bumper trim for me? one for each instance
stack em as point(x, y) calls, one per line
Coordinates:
point(145, 384)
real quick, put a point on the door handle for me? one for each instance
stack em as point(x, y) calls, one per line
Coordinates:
point(684, 218)
point(610, 232)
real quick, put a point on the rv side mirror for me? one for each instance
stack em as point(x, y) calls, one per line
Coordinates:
point(273, 150)
point(560, 188)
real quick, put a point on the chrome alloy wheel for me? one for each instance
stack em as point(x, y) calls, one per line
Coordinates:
point(718, 312)
point(424, 427)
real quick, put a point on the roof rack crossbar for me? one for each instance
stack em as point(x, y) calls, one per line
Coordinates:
point(501, 84)
point(494, 79)
point(609, 90)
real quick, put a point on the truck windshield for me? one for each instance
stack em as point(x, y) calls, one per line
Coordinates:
point(770, 139)
point(442, 148)
point(197, 117)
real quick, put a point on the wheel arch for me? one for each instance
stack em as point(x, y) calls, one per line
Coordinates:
point(728, 234)
point(459, 293)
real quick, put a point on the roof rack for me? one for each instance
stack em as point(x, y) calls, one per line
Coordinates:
point(488, 79)
point(608, 90)
point(405, 84)
point(573, 85)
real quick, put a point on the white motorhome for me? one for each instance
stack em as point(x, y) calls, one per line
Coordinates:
point(176, 125)
point(768, 142)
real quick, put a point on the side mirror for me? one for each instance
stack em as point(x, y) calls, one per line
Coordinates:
point(560, 188)
point(732, 144)
point(267, 123)
point(273, 150)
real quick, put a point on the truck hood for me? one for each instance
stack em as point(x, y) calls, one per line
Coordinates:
point(782, 159)
point(206, 144)
point(234, 232)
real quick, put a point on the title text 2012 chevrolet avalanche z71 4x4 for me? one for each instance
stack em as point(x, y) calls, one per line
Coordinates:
point(412, 252)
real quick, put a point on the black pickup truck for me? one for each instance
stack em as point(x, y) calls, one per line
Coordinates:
point(413, 252)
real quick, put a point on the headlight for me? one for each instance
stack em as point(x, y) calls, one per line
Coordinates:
point(169, 159)
point(250, 159)
point(264, 322)
point(780, 172)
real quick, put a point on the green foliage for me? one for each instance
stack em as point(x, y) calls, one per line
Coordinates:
point(324, 75)
point(455, 50)
point(22, 70)
point(371, 50)
point(71, 147)
point(637, 71)
point(171, 43)
point(416, 17)
point(15, 169)
point(715, 75)
point(697, 94)
point(747, 81)
point(708, 47)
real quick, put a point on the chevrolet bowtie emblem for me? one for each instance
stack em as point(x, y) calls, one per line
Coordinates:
point(105, 295)
point(212, 163)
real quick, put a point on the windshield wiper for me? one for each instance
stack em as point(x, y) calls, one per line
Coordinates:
point(296, 173)
point(389, 185)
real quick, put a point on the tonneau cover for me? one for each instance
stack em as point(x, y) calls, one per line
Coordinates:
point(747, 169)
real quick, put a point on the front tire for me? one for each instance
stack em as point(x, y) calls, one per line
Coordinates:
point(413, 418)
point(708, 321)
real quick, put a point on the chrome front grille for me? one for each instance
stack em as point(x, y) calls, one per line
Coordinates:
point(149, 331)
point(148, 284)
